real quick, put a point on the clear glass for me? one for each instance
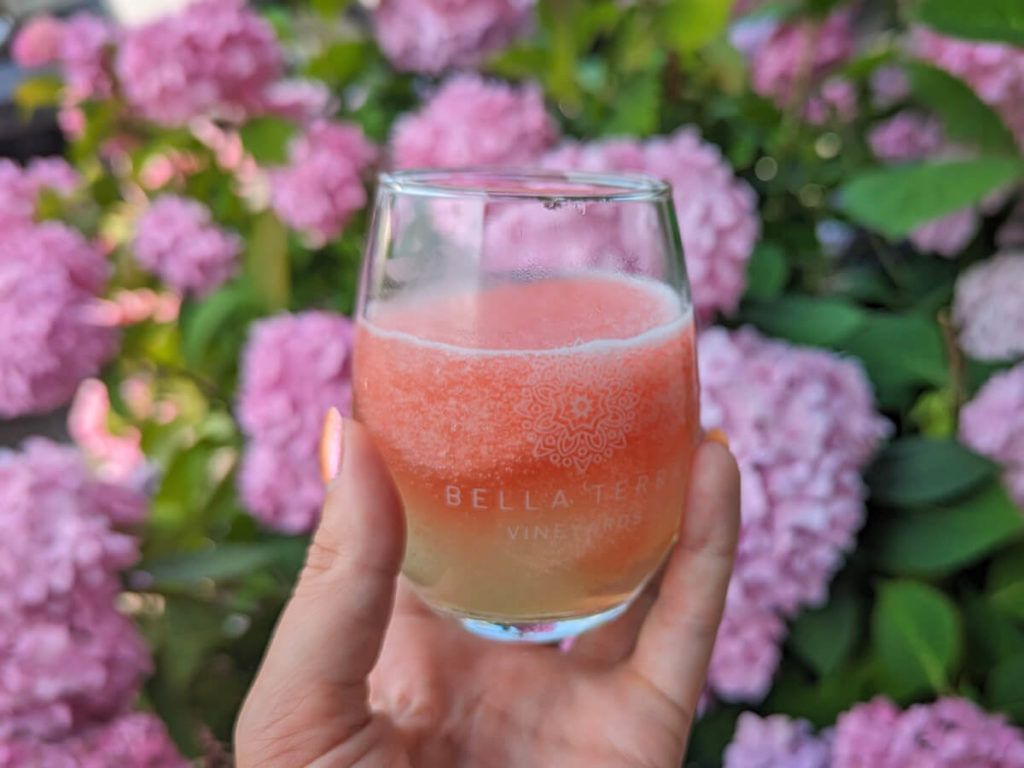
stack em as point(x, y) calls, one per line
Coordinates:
point(525, 363)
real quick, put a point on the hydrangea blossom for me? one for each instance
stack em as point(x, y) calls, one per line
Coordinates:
point(38, 43)
point(717, 212)
point(20, 187)
point(215, 57)
point(177, 240)
point(473, 121)
point(992, 423)
point(889, 86)
point(301, 100)
point(117, 458)
point(988, 309)
point(910, 135)
point(66, 656)
point(775, 741)
point(49, 276)
point(85, 56)
point(432, 35)
point(802, 425)
point(835, 99)
point(322, 186)
point(994, 70)
point(136, 740)
point(951, 733)
point(801, 50)
point(294, 368)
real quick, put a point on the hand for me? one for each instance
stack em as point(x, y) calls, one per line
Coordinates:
point(360, 673)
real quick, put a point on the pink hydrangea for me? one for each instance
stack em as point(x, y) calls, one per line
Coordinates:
point(951, 733)
point(836, 100)
point(775, 741)
point(215, 57)
point(85, 56)
point(294, 368)
point(135, 740)
point(67, 657)
point(38, 42)
point(802, 425)
point(717, 212)
point(801, 50)
point(994, 70)
point(301, 100)
point(322, 186)
point(433, 35)
point(471, 121)
point(177, 240)
point(988, 308)
point(992, 424)
point(20, 187)
point(115, 457)
point(907, 135)
point(49, 277)
point(948, 235)
point(889, 86)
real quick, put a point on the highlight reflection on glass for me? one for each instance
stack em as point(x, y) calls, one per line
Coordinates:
point(525, 363)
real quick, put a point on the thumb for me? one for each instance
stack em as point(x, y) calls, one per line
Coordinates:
point(331, 630)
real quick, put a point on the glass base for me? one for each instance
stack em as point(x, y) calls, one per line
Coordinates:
point(541, 631)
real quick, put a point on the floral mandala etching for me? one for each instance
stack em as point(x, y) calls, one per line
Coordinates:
point(572, 418)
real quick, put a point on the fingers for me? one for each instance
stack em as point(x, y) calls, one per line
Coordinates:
point(330, 633)
point(674, 646)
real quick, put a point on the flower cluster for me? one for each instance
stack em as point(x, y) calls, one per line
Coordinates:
point(20, 187)
point(799, 56)
point(802, 425)
point(993, 424)
point(294, 368)
point(177, 240)
point(473, 121)
point(910, 135)
point(432, 35)
point(135, 741)
point(950, 733)
point(86, 57)
point(67, 657)
point(988, 310)
point(322, 186)
point(38, 43)
point(49, 277)
point(215, 57)
point(995, 71)
point(717, 213)
point(775, 741)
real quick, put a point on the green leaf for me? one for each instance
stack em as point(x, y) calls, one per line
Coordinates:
point(267, 138)
point(996, 20)
point(637, 107)
point(331, 9)
point(1004, 687)
point(340, 63)
point(1010, 600)
point(916, 471)
point(223, 563)
point(966, 117)
point(946, 538)
point(824, 638)
point(917, 635)
point(201, 326)
point(900, 352)
point(34, 93)
point(266, 261)
point(897, 199)
point(806, 320)
point(767, 271)
point(687, 25)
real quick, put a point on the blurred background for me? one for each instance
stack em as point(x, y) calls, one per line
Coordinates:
point(183, 203)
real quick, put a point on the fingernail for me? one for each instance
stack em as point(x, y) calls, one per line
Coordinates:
point(717, 436)
point(331, 445)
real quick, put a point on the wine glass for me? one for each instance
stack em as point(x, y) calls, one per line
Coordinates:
point(525, 364)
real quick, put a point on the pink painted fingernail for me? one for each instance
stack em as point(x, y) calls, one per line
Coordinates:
point(332, 439)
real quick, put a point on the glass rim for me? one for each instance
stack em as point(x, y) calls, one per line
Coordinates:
point(501, 184)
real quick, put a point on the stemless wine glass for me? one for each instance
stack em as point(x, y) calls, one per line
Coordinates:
point(524, 361)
